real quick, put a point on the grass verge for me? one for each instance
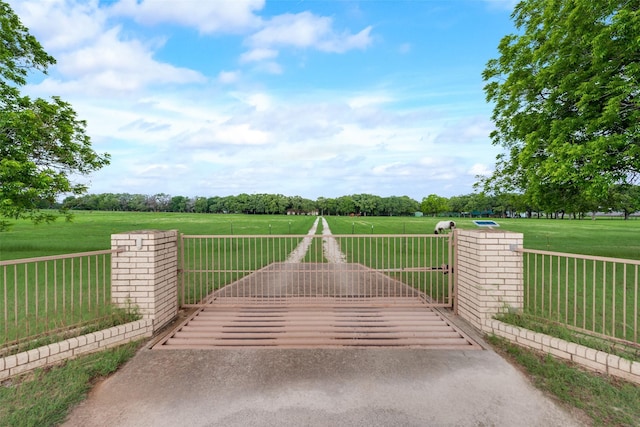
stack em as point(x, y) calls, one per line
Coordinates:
point(605, 400)
point(45, 397)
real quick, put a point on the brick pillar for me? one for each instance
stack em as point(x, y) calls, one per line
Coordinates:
point(145, 274)
point(489, 274)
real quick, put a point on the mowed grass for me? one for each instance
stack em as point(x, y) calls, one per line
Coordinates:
point(91, 231)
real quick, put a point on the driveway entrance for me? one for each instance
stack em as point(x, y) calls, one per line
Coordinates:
point(319, 290)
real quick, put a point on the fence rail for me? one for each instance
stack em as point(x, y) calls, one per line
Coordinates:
point(41, 296)
point(315, 267)
point(594, 294)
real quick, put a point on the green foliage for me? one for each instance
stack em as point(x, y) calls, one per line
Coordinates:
point(566, 105)
point(42, 142)
point(434, 204)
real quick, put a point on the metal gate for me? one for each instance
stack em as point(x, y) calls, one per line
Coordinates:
point(284, 269)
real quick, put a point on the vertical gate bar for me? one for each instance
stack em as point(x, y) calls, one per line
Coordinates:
point(103, 282)
point(26, 296)
point(559, 290)
point(535, 281)
point(451, 260)
point(604, 297)
point(624, 301)
point(373, 286)
point(5, 305)
point(543, 296)
point(429, 259)
point(15, 298)
point(182, 269)
point(635, 305)
point(584, 294)
point(527, 283)
point(551, 281)
point(72, 296)
point(79, 301)
point(613, 299)
point(55, 286)
point(593, 299)
point(205, 272)
point(261, 284)
point(37, 291)
point(89, 283)
point(575, 292)
point(65, 297)
point(46, 294)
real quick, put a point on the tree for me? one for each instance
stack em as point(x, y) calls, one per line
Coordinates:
point(626, 199)
point(566, 98)
point(42, 142)
point(434, 204)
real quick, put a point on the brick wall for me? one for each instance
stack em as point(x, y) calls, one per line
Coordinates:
point(73, 347)
point(592, 359)
point(489, 274)
point(145, 274)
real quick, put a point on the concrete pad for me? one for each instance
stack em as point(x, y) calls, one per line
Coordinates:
point(318, 387)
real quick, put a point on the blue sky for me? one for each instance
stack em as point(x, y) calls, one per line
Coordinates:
point(308, 98)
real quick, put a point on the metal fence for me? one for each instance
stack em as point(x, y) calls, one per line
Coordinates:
point(594, 294)
point(314, 268)
point(54, 294)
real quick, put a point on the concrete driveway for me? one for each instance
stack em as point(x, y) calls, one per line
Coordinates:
point(318, 387)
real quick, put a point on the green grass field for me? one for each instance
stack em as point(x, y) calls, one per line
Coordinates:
point(92, 230)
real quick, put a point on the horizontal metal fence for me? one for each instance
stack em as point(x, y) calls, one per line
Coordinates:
point(46, 295)
point(594, 294)
point(315, 268)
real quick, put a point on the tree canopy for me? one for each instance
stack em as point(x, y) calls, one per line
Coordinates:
point(42, 142)
point(566, 100)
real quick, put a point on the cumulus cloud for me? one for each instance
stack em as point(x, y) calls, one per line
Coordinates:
point(61, 24)
point(228, 16)
point(306, 30)
point(480, 169)
point(259, 54)
point(113, 64)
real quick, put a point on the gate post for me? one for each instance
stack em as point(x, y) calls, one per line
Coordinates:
point(144, 274)
point(489, 274)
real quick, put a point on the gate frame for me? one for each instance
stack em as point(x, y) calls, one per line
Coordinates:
point(451, 267)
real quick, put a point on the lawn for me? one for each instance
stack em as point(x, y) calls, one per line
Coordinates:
point(92, 231)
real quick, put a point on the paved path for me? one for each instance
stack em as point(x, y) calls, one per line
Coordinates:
point(354, 387)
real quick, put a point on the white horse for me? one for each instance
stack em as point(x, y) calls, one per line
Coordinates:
point(444, 225)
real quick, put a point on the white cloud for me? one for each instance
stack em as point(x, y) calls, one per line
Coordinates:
point(229, 16)
point(306, 30)
point(228, 77)
point(480, 169)
point(259, 54)
point(61, 24)
point(112, 64)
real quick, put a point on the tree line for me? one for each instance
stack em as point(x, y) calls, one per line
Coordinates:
point(273, 204)
point(624, 199)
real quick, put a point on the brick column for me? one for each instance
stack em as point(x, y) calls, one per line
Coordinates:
point(145, 274)
point(489, 274)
